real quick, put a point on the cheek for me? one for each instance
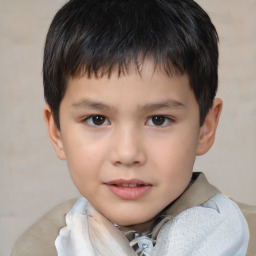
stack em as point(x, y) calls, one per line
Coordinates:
point(174, 156)
point(84, 161)
point(82, 148)
point(176, 148)
point(176, 162)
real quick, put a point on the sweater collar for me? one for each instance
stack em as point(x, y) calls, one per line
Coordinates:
point(198, 192)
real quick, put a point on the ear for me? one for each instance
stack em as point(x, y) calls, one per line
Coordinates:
point(208, 129)
point(54, 133)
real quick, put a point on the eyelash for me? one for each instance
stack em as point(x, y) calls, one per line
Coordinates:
point(89, 120)
point(166, 122)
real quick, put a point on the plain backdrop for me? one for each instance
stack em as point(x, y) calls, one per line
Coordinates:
point(33, 180)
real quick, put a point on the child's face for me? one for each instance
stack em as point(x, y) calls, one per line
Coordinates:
point(130, 142)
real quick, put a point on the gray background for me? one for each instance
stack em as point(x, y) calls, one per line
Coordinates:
point(33, 180)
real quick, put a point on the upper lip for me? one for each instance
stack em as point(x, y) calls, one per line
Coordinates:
point(131, 181)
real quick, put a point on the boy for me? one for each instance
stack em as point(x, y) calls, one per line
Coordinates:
point(130, 89)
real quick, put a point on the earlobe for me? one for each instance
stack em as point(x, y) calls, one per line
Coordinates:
point(208, 129)
point(54, 133)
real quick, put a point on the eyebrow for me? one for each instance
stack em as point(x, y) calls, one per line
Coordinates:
point(87, 104)
point(167, 104)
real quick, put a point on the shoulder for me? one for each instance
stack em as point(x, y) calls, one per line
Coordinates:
point(249, 213)
point(212, 228)
point(39, 239)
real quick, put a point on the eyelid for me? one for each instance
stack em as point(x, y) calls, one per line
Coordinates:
point(168, 119)
point(90, 123)
point(167, 122)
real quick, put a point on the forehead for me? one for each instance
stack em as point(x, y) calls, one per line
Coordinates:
point(143, 67)
point(145, 78)
point(146, 90)
point(145, 72)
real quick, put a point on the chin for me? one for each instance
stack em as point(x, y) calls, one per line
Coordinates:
point(123, 222)
point(131, 221)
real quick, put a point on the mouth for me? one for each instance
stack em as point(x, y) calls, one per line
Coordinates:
point(129, 185)
point(129, 189)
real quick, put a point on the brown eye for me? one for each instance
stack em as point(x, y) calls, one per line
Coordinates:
point(158, 120)
point(97, 120)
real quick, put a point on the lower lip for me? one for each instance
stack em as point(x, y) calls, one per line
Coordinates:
point(129, 193)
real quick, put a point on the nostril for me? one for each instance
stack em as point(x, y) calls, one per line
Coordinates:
point(127, 163)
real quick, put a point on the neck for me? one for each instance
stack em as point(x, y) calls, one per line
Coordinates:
point(143, 227)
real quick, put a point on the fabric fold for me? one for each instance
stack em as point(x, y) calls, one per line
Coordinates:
point(90, 233)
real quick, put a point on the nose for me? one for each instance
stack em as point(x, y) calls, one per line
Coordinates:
point(127, 148)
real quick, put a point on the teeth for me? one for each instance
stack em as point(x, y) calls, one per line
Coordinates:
point(128, 185)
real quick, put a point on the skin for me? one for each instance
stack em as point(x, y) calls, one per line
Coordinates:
point(128, 143)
